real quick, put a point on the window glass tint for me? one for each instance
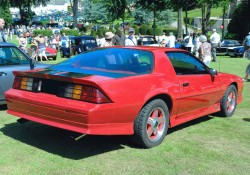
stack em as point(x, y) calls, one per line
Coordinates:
point(185, 64)
point(12, 56)
point(127, 61)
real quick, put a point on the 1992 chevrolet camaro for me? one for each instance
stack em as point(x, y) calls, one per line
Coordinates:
point(137, 91)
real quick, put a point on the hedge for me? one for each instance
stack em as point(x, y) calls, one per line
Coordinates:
point(44, 32)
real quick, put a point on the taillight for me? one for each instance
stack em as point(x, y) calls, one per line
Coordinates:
point(28, 84)
point(84, 93)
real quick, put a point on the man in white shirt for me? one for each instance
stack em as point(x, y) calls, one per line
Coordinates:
point(215, 42)
point(171, 40)
point(131, 40)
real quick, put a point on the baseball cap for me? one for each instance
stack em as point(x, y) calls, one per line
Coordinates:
point(131, 30)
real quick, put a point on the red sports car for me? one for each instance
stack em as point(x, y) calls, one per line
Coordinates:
point(137, 91)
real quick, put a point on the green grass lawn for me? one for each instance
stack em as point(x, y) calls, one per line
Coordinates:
point(215, 12)
point(206, 146)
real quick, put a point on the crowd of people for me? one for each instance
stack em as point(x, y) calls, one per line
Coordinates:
point(193, 42)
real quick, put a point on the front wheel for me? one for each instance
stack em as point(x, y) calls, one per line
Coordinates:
point(228, 102)
point(151, 125)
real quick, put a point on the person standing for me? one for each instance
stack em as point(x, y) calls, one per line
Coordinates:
point(41, 47)
point(2, 35)
point(188, 42)
point(204, 50)
point(131, 40)
point(119, 38)
point(23, 43)
point(215, 42)
point(246, 42)
point(171, 40)
point(108, 39)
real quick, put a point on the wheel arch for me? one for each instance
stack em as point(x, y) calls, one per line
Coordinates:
point(165, 97)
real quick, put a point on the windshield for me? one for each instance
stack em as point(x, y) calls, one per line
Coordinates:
point(109, 60)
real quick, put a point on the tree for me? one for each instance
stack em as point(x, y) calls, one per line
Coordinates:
point(74, 6)
point(24, 7)
point(5, 12)
point(153, 5)
point(179, 5)
point(240, 23)
point(116, 8)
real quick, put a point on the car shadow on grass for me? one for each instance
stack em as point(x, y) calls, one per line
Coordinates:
point(3, 107)
point(58, 141)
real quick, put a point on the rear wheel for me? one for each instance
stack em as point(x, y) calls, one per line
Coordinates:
point(54, 58)
point(228, 102)
point(151, 125)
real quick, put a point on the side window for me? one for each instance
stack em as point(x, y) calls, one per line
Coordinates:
point(12, 56)
point(185, 64)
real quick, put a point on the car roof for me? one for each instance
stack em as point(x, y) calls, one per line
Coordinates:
point(6, 44)
point(84, 37)
point(150, 48)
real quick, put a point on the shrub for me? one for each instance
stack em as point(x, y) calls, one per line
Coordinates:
point(71, 32)
point(44, 32)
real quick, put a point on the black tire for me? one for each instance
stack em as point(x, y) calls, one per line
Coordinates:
point(228, 102)
point(54, 58)
point(151, 125)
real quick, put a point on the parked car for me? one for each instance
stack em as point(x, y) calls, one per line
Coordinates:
point(51, 53)
point(147, 41)
point(137, 91)
point(80, 44)
point(235, 51)
point(12, 59)
point(226, 44)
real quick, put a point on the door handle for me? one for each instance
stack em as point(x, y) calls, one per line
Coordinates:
point(3, 73)
point(185, 84)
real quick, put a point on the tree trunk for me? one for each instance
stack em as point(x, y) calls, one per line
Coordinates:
point(180, 19)
point(75, 12)
point(203, 11)
point(186, 14)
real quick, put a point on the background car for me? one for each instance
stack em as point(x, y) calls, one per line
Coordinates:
point(12, 59)
point(225, 44)
point(51, 52)
point(147, 41)
point(137, 91)
point(81, 44)
point(235, 51)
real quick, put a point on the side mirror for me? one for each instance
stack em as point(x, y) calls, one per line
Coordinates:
point(32, 64)
point(213, 72)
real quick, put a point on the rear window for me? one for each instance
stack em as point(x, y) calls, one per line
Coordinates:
point(110, 60)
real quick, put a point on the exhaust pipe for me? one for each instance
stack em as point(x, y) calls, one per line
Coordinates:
point(78, 137)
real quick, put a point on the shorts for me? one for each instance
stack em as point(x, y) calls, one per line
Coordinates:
point(41, 51)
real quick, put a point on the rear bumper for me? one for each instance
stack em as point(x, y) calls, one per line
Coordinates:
point(79, 117)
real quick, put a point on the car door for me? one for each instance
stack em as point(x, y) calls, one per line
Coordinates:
point(11, 59)
point(199, 90)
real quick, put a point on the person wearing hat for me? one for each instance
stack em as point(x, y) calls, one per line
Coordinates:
point(215, 42)
point(205, 50)
point(22, 42)
point(108, 39)
point(131, 40)
point(119, 38)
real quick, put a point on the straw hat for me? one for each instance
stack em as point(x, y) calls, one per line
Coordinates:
point(109, 35)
